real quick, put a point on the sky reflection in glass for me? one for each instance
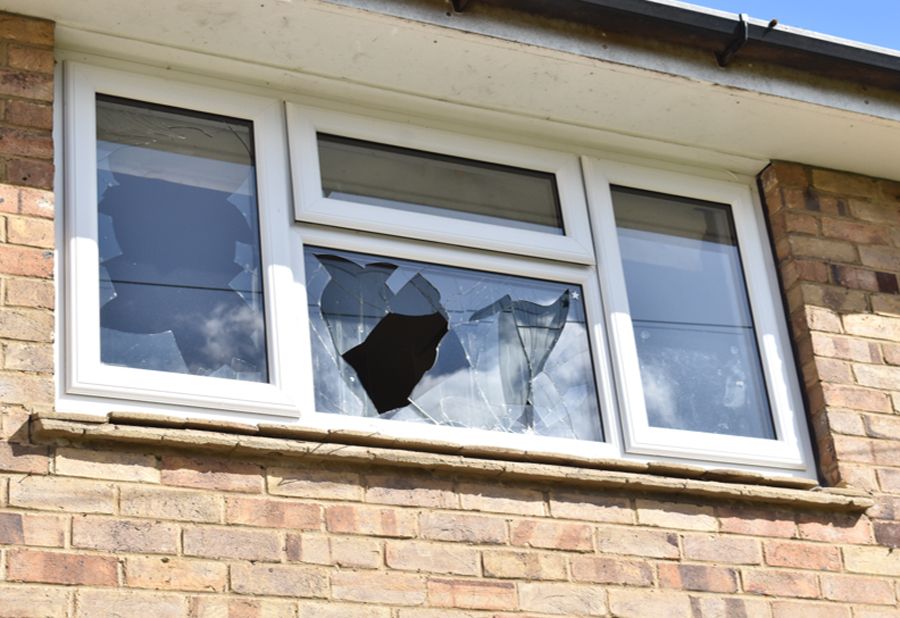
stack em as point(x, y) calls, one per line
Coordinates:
point(411, 341)
point(700, 365)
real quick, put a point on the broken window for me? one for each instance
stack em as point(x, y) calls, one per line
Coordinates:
point(696, 343)
point(178, 239)
point(412, 341)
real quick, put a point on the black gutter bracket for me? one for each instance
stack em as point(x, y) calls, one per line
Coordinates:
point(459, 5)
point(738, 39)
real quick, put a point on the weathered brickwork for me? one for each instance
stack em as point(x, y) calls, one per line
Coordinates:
point(122, 530)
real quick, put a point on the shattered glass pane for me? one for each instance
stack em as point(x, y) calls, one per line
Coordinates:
point(414, 180)
point(178, 235)
point(433, 344)
point(700, 365)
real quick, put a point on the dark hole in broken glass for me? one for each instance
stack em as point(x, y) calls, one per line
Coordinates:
point(418, 181)
point(180, 282)
point(418, 342)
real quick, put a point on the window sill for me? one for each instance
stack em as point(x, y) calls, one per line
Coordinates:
point(267, 440)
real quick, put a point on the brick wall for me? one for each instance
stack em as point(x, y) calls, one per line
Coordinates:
point(92, 531)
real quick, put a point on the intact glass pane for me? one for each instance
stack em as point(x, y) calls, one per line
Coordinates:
point(417, 181)
point(432, 344)
point(700, 365)
point(178, 234)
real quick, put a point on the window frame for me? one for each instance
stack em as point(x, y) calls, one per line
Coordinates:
point(791, 448)
point(85, 374)
point(290, 217)
point(311, 206)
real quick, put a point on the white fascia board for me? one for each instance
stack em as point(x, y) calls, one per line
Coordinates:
point(335, 52)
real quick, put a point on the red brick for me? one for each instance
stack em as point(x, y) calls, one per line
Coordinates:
point(20, 388)
point(44, 530)
point(36, 202)
point(853, 589)
point(25, 261)
point(26, 29)
point(30, 231)
point(218, 474)
point(370, 520)
point(854, 398)
point(507, 564)
point(26, 565)
point(463, 528)
point(802, 556)
point(625, 603)
point(279, 580)
point(637, 542)
point(221, 606)
point(234, 543)
point(35, 601)
point(552, 535)
point(30, 293)
point(128, 603)
point(619, 571)
point(354, 552)
point(110, 465)
point(697, 577)
point(178, 504)
point(124, 535)
point(857, 232)
point(471, 594)
point(29, 114)
point(562, 599)
point(273, 513)
point(25, 143)
point(35, 173)
point(11, 529)
point(37, 59)
point(835, 528)
point(757, 521)
point(373, 587)
point(432, 558)
point(175, 574)
point(803, 609)
point(781, 583)
point(51, 493)
point(722, 549)
point(22, 457)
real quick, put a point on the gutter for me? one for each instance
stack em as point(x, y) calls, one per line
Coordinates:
point(722, 23)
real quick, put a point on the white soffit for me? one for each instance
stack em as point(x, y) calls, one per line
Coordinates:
point(333, 51)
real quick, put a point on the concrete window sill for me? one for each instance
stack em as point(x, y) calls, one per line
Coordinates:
point(352, 447)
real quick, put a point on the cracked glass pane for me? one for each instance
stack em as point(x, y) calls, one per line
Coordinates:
point(700, 365)
point(418, 342)
point(413, 180)
point(178, 236)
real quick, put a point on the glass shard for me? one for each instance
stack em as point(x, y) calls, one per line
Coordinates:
point(417, 181)
point(417, 342)
point(700, 364)
point(181, 288)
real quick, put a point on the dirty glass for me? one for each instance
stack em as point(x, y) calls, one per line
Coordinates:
point(178, 236)
point(418, 342)
point(413, 180)
point(699, 361)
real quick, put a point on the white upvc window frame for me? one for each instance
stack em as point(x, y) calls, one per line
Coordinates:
point(85, 374)
point(791, 447)
point(291, 217)
point(574, 246)
point(388, 246)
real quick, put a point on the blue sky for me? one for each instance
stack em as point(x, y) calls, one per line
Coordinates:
point(876, 22)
